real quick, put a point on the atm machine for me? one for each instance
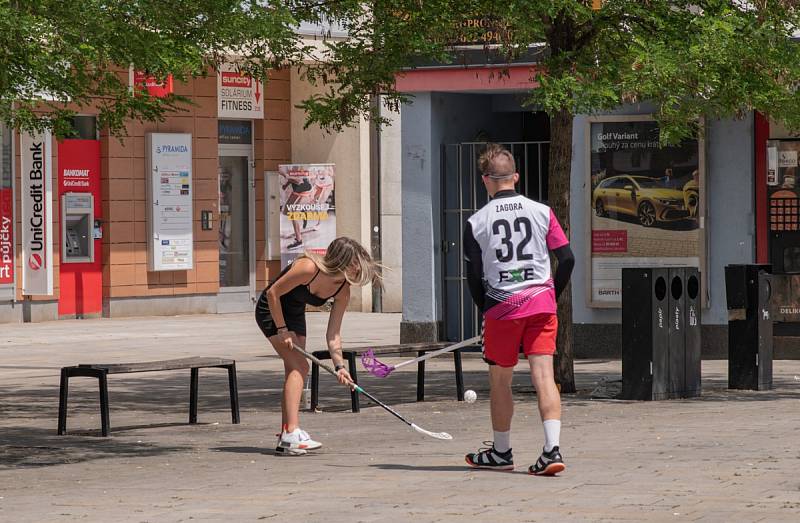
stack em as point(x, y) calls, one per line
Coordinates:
point(77, 215)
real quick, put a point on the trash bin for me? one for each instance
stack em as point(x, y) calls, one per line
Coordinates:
point(693, 352)
point(748, 289)
point(676, 333)
point(645, 357)
point(661, 337)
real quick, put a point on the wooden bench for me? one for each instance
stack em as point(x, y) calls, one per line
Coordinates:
point(417, 349)
point(101, 371)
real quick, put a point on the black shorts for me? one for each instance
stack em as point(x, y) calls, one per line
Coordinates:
point(293, 314)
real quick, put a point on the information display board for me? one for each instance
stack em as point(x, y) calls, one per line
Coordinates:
point(169, 193)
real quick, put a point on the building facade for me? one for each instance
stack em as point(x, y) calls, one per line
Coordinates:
point(178, 217)
point(709, 201)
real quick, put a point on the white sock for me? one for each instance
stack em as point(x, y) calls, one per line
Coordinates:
point(552, 431)
point(502, 441)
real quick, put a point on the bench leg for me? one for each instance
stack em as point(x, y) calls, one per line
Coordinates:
point(420, 379)
point(62, 402)
point(193, 393)
point(234, 391)
point(351, 360)
point(314, 386)
point(459, 375)
point(105, 424)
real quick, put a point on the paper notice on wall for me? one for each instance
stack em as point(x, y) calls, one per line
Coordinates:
point(787, 158)
point(772, 166)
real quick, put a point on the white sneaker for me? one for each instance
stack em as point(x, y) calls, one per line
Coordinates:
point(295, 443)
point(306, 439)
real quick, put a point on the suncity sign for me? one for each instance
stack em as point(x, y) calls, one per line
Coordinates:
point(37, 214)
point(238, 95)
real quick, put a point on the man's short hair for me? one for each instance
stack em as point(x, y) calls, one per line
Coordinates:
point(497, 162)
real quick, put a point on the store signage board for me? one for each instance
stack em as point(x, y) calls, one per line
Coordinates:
point(238, 95)
point(169, 190)
point(7, 216)
point(37, 213)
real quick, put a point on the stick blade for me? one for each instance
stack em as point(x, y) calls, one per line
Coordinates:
point(374, 365)
point(437, 435)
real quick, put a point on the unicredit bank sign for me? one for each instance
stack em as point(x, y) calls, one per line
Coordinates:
point(37, 213)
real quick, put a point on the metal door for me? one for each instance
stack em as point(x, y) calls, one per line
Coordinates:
point(462, 194)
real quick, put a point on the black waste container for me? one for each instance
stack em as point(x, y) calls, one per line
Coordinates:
point(693, 340)
point(676, 333)
point(645, 357)
point(748, 289)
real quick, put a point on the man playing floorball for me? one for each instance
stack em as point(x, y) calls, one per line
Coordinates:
point(506, 246)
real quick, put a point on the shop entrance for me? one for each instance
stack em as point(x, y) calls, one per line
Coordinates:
point(463, 193)
point(236, 217)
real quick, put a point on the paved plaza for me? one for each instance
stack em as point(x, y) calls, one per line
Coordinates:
point(729, 456)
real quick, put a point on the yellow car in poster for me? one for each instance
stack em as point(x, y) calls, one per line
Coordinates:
point(646, 199)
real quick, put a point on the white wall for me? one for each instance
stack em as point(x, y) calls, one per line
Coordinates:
point(349, 150)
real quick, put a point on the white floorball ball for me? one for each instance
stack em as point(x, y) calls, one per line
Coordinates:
point(470, 396)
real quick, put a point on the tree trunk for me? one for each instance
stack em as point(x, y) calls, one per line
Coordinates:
point(558, 196)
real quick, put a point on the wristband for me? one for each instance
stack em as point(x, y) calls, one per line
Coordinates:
point(337, 368)
point(281, 327)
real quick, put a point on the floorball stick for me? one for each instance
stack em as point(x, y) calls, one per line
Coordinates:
point(381, 370)
point(387, 408)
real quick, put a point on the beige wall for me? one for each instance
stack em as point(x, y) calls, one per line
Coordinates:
point(349, 150)
point(391, 214)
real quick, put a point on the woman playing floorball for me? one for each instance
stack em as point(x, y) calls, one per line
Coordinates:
point(280, 313)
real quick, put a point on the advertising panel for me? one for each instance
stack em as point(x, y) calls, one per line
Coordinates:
point(308, 213)
point(645, 203)
point(6, 216)
point(37, 213)
point(142, 82)
point(783, 206)
point(238, 95)
point(169, 189)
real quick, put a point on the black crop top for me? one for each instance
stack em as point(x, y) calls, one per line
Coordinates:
point(302, 295)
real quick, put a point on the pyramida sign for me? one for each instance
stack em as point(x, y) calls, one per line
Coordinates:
point(238, 95)
point(37, 214)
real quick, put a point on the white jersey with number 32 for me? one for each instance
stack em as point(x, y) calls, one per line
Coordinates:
point(515, 235)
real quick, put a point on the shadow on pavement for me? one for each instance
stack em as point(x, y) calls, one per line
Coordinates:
point(245, 450)
point(29, 447)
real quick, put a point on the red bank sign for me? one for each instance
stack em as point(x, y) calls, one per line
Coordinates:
point(6, 235)
point(156, 89)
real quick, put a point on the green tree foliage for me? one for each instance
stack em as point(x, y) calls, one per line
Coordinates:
point(689, 59)
point(62, 56)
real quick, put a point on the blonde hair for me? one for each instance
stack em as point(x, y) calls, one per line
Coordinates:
point(341, 253)
point(493, 155)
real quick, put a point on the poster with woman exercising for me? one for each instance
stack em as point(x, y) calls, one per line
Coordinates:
point(308, 211)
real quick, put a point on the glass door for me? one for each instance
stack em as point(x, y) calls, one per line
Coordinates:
point(234, 221)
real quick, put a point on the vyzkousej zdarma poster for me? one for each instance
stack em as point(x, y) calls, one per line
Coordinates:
point(308, 212)
point(645, 203)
